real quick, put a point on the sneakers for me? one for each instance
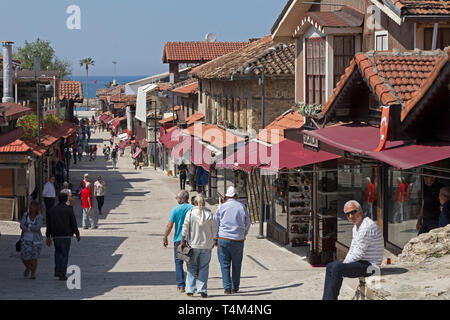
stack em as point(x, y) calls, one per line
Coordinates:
point(227, 291)
point(235, 290)
point(204, 295)
point(181, 290)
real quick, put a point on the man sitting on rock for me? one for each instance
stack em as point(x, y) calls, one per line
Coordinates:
point(366, 250)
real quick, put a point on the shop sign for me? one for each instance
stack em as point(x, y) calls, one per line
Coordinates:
point(13, 158)
point(310, 143)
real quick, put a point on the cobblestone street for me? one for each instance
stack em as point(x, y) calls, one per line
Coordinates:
point(125, 259)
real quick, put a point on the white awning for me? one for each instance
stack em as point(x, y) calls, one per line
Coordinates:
point(141, 102)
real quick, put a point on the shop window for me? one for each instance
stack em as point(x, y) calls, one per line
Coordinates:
point(344, 50)
point(279, 203)
point(354, 182)
point(220, 181)
point(381, 41)
point(315, 71)
point(443, 38)
point(406, 192)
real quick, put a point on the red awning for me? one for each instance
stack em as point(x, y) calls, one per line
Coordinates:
point(103, 117)
point(124, 144)
point(363, 139)
point(171, 139)
point(138, 152)
point(107, 119)
point(251, 156)
point(289, 154)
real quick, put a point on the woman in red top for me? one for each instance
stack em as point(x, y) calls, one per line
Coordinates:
point(87, 204)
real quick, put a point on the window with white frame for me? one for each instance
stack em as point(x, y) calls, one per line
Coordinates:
point(381, 41)
point(315, 71)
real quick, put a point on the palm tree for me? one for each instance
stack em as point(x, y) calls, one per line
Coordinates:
point(87, 62)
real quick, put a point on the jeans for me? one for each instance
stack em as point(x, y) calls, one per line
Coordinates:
point(49, 203)
point(230, 255)
point(182, 182)
point(62, 248)
point(89, 217)
point(202, 282)
point(336, 271)
point(179, 272)
point(100, 202)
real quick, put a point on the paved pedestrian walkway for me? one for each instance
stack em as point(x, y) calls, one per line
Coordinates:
point(125, 259)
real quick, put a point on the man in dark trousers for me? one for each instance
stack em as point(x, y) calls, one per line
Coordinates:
point(431, 207)
point(61, 226)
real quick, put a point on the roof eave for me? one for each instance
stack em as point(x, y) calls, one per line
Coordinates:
point(282, 30)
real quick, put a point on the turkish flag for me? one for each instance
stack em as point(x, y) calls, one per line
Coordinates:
point(95, 81)
point(384, 128)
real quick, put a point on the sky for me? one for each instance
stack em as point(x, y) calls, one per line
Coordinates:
point(133, 32)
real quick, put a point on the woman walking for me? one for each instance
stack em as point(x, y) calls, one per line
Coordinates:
point(70, 201)
point(31, 240)
point(99, 191)
point(200, 228)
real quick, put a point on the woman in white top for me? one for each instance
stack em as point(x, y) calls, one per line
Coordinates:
point(200, 229)
point(99, 192)
point(31, 239)
point(70, 201)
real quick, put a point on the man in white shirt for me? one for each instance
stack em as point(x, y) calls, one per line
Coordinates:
point(365, 254)
point(49, 195)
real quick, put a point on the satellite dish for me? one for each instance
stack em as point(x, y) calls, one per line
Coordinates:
point(211, 37)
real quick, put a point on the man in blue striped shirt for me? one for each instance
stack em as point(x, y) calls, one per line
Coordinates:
point(365, 254)
point(233, 224)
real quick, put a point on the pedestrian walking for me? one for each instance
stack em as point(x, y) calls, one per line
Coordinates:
point(233, 224)
point(87, 203)
point(61, 228)
point(202, 180)
point(87, 150)
point(74, 153)
point(366, 250)
point(111, 141)
point(108, 153)
point(80, 152)
point(177, 218)
point(99, 191)
point(193, 176)
point(182, 168)
point(88, 131)
point(49, 195)
point(430, 209)
point(114, 158)
point(200, 229)
point(70, 201)
point(31, 239)
point(94, 152)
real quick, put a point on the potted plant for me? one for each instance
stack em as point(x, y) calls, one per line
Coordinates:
point(52, 121)
point(29, 125)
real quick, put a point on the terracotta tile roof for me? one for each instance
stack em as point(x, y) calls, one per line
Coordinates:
point(288, 120)
point(14, 110)
point(198, 52)
point(213, 135)
point(110, 91)
point(191, 88)
point(166, 120)
point(194, 118)
point(345, 17)
point(164, 86)
point(68, 89)
point(10, 142)
point(278, 59)
point(422, 7)
point(395, 78)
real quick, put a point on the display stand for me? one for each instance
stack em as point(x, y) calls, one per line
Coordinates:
point(299, 208)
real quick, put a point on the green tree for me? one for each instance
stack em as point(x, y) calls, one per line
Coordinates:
point(49, 61)
point(87, 62)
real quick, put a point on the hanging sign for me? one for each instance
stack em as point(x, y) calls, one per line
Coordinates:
point(384, 128)
point(310, 143)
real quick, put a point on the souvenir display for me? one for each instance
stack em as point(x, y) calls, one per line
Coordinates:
point(300, 205)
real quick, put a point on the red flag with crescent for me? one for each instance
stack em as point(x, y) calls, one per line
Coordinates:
point(384, 128)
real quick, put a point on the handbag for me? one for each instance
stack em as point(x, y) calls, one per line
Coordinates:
point(187, 251)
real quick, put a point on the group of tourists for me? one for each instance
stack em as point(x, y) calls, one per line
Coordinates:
point(198, 228)
point(60, 221)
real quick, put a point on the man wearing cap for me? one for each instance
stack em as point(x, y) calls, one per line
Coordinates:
point(363, 258)
point(233, 224)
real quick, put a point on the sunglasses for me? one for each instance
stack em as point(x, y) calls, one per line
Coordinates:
point(351, 213)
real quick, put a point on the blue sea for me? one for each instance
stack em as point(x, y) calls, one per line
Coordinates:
point(102, 81)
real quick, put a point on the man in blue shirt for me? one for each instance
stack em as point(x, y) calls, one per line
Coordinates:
point(177, 218)
point(233, 224)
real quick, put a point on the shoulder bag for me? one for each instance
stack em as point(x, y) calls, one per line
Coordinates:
point(187, 251)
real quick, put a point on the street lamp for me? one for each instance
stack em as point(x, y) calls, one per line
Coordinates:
point(114, 81)
point(249, 70)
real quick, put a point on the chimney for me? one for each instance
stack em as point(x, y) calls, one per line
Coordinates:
point(7, 72)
